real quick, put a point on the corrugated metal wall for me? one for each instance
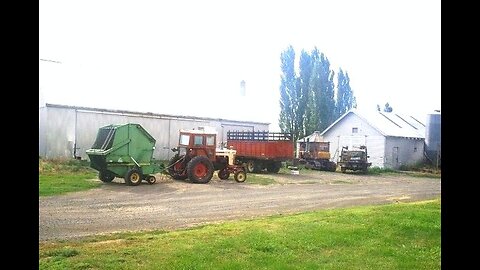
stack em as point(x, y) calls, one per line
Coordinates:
point(62, 127)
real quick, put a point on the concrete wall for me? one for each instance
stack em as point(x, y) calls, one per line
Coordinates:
point(403, 151)
point(63, 126)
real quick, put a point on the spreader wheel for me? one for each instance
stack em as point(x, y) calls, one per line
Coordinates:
point(106, 176)
point(133, 177)
point(151, 179)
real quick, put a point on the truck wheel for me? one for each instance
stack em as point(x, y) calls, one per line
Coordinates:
point(343, 169)
point(274, 167)
point(133, 177)
point(151, 179)
point(175, 171)
point(240, 176)
point(200, 170)
point(333, 167)
point(106, 176)
point(223, 174)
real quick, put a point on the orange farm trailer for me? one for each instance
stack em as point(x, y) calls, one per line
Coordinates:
point(260, 150)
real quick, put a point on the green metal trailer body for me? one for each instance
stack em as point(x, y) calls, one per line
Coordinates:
point(124, 151)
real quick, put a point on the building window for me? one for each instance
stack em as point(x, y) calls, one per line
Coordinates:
point(355, 130)
point(415, 149)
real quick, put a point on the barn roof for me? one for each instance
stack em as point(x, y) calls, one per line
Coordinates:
point(388, 123)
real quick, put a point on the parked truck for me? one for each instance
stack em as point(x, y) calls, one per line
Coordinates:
point(314, 152)
point(260, 150)
point(316, 156)
point(197, 158)
point(354, 159)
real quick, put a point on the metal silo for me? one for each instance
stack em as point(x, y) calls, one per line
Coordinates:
point(433, 138)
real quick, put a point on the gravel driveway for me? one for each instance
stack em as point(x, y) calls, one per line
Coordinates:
point(170, 204)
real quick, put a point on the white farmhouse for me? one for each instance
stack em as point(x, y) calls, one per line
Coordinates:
point(392, 139)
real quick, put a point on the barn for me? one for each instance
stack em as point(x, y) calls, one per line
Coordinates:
point(68, 131)
point(392, 139)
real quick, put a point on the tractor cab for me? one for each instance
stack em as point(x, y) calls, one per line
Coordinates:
point(194, 143)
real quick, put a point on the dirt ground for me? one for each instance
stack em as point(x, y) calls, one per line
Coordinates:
point(170, 204)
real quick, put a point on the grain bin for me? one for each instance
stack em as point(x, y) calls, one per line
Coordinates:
point(433, 137)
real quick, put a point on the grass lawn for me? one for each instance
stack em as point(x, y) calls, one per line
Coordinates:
point(57, 177)
point(396, 236)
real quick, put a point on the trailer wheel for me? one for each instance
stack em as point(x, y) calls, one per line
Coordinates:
point(151, 179)
point(253, 166)
point(250, 166)
point(240, 176)
point(106, 176)
point(274, 167)
point(223, 174)
point(133, 177)
point(200, 170)
point(175, 171)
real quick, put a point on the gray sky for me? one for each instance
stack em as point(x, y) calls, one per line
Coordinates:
point(188, 57)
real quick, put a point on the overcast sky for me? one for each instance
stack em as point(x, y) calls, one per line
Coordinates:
point(189, 57)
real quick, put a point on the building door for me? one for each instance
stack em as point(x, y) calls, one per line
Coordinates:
point(395, 157)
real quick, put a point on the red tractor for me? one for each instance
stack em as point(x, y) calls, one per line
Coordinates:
point(197, 158)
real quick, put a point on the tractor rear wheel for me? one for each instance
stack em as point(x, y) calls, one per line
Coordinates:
point(133, 177)
point(200, 170)
point(223, 174)
point(106, 176)
point(175, 169)
point(240, 176)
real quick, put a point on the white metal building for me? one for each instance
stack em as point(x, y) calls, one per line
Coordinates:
point(392, 139)
point(68, 131)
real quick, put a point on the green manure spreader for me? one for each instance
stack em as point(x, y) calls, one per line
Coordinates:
point(124, 151)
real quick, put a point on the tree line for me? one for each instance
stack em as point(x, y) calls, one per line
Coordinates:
point(309, 98)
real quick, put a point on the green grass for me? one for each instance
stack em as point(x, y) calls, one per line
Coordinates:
point(378, 171)
point(259, 180)
point(62, 176)
point(396, 236)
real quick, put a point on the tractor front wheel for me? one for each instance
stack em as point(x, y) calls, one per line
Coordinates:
point(200, 170)
point(133, 177)
point(240, 176)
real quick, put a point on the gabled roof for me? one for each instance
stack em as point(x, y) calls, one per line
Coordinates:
point(389, 123)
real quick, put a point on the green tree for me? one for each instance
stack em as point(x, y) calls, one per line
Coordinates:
point(308, 101)
point(345, 98)
point(288, 92)
point(323, 89)
point(306, 107)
